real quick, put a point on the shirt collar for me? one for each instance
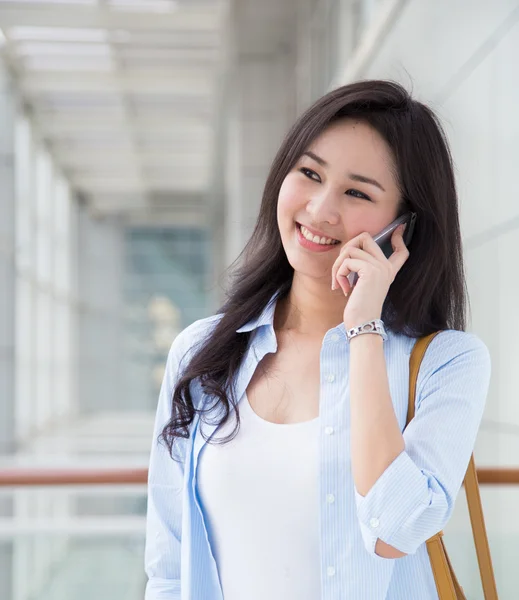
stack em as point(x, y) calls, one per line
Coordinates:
point(266, 317)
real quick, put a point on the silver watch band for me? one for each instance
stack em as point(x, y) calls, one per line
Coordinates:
point(374, 326)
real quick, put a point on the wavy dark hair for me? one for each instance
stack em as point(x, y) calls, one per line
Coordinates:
point(429, 292)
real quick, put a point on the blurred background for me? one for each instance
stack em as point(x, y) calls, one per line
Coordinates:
point(135, 137)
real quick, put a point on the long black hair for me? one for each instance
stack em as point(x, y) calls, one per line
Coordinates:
point(428, 293)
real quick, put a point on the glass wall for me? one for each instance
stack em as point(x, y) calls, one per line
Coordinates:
point(164, 291)
point(46, 306)
point(45, 322)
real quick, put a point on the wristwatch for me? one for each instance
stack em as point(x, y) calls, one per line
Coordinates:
point(374, 326)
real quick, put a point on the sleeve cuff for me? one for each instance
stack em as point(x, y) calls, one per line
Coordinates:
point(399, 495)
point(162, 589)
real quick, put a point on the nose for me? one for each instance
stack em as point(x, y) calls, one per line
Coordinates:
point(322, 207)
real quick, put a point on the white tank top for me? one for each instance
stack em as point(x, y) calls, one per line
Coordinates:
point(259, 494)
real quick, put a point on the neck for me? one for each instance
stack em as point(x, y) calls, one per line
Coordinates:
point(310, 309)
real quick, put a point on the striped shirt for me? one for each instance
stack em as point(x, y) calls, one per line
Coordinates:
point(411, 501)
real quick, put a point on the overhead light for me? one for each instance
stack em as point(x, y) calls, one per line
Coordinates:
point(144, 5)
point(57, 34)
point(71, 2)
point(67, 50)
point(2, 38)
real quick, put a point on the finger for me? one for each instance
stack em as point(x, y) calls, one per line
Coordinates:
point(364, 243)
point(349, 265)
point(369, 245)
point(362, 254)
point(356, 253)
point(400, 251)
point(370, 251)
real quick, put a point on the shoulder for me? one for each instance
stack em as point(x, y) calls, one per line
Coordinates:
point(456, 357)
point(187, 342)
point(450, 345)
point(197, 331)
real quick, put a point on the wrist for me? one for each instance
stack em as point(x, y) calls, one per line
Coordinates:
point(371, 340)
point(358, 319)
point(372, 327)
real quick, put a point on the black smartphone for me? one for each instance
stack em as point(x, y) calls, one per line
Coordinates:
point(383, 238)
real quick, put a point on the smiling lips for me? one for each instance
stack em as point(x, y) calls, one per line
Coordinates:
point(316, 236)
point(314, 242)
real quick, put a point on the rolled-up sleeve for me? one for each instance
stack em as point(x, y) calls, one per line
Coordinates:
point(164, 512)
point(414, 497)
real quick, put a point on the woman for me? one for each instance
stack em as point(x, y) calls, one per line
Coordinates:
point(291, 478)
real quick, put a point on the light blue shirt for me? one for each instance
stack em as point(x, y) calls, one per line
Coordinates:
point(411, 501)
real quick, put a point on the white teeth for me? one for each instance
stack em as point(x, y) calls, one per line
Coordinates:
point(316, 239)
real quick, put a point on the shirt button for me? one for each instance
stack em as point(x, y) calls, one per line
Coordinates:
point(335, 337)
point(330, 498)
point(328, 430)
point(330, 571)
point(374, 523)
point(331, 377)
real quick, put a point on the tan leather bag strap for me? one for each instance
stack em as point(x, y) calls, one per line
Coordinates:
point(445, 578)
point(479, 532)
point(447, 584)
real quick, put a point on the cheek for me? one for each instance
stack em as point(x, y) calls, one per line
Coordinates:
point(290, 199)
point(372, 223)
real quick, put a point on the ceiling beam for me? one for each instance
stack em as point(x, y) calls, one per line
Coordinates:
point(184, 83)
point(64, 125)
point(199, 17)
point(99, 157)
point(103, 185)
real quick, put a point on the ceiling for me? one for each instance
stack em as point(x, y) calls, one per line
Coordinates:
point(124, 92)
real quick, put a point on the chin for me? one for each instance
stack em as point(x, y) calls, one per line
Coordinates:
point(302, 267)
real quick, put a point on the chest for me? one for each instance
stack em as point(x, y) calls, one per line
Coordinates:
point(285, 386)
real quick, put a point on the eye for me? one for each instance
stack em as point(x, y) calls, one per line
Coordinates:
point(309, 173)
point(357, 194)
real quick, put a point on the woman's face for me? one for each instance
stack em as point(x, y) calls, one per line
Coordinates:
point(343, 185)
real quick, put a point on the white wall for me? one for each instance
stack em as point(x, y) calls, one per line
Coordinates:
point(465, 64)
point(462, 58)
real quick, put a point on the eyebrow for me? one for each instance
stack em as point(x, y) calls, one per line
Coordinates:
point(354, 176)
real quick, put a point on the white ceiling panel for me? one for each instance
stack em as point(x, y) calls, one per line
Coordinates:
point(196, 16)
point(123, 91)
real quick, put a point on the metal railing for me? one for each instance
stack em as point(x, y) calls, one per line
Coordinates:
point(29, 477)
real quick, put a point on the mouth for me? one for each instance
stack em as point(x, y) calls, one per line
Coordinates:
point(308, 235)
point(306, 240)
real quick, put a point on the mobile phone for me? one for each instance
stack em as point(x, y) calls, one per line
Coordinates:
point(383, 238)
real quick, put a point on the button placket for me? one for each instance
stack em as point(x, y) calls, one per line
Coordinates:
point(330, 380)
